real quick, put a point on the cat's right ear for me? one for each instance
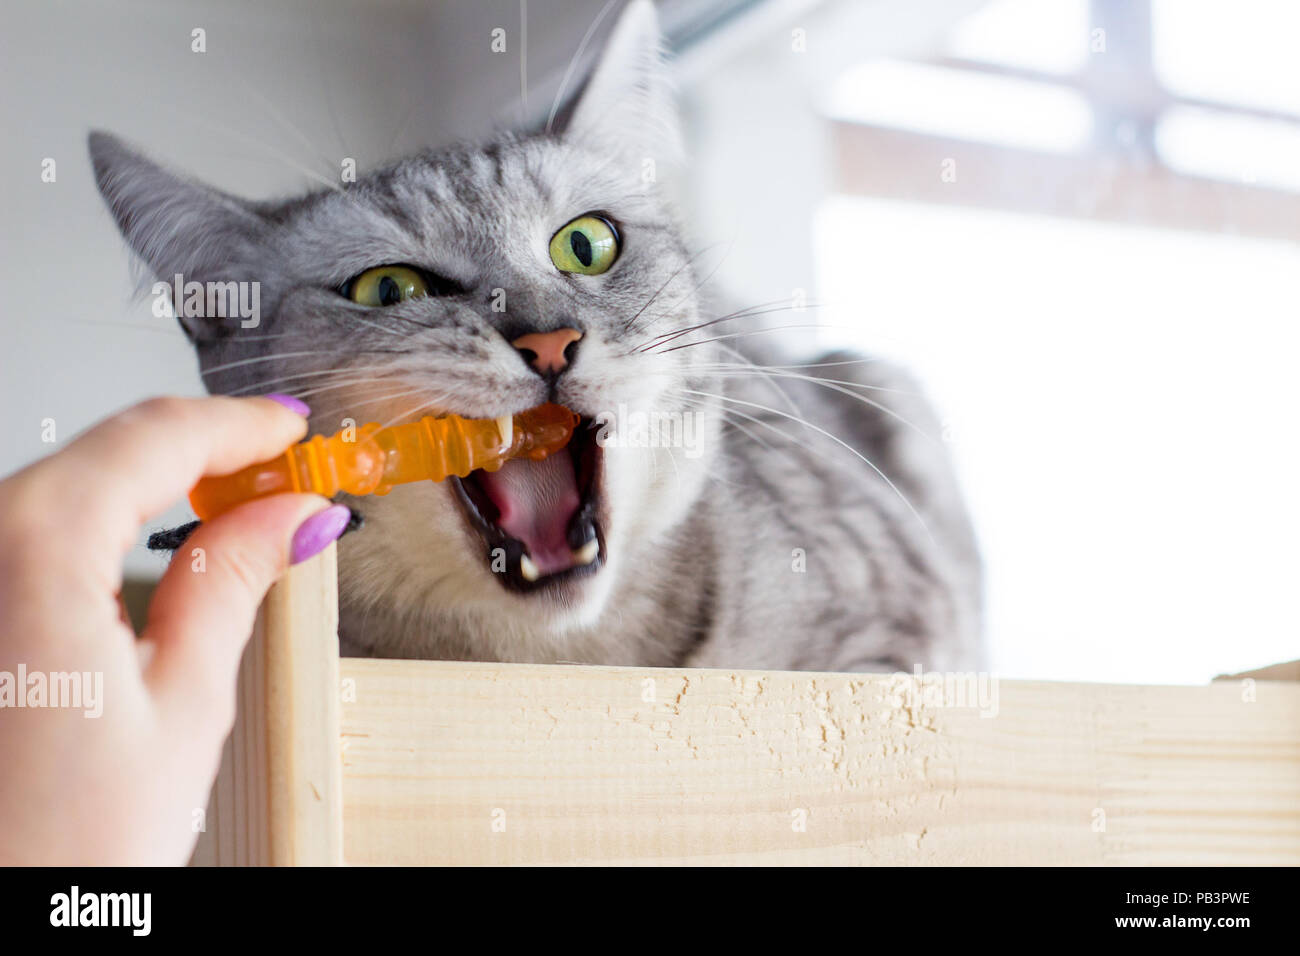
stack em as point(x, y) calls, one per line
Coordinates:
point(627, 101)
point(176, 226)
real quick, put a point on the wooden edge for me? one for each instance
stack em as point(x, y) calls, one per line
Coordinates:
point(1288, 670)
point(278, 797)
point(525, 764)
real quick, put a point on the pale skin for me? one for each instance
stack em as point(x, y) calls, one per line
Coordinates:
point(125, 788)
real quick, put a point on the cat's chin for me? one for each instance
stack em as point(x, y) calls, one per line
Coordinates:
point(541, 524)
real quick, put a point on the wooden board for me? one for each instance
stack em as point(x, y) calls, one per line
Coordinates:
point(491, 763)
point(435, 762)
point(278, 796)
point(1290, 670)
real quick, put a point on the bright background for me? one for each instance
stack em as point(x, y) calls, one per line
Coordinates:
point(1102, 303)
point(1121, 403)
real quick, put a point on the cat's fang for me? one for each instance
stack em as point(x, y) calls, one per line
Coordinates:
point(506, 426)
point(586, 554)
point(541, 516)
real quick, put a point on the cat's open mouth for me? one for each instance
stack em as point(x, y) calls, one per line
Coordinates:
point(540, 520)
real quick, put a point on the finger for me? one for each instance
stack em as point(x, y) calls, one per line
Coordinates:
point(203, 609)
point(139, 462)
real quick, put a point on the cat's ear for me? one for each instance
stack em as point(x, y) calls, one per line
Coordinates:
point(628, 101)
point(176, 226)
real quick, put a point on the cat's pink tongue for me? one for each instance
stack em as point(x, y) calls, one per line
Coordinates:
point(536, 501)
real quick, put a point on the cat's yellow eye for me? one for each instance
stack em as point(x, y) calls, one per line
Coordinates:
point(587, 246)
point(386, 285)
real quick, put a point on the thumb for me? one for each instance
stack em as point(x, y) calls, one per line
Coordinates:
point(202, 613)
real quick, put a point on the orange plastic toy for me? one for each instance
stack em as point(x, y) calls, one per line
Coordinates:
point(370, 460)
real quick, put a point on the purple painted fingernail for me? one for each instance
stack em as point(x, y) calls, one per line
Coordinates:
point(315, 534)
point(291, 403)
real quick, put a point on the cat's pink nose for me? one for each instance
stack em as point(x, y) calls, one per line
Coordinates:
point(544, 351)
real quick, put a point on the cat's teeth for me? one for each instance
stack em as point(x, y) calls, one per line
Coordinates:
point(587, 553)
point(506, 426)
point(528, 569)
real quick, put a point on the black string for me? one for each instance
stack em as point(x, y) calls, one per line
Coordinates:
point(170, 539)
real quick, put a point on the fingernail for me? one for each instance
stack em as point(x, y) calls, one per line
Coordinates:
point(318, 531)
point(291, 403)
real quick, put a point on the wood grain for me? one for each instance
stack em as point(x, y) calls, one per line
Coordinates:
point(278, 796)
point(518, 764)
point(491, 763)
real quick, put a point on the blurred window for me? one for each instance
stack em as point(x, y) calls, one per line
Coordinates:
point(1077, 223)
point(1143, 100)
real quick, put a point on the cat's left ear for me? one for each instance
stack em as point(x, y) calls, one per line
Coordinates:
point(177, 226)
point(627, 102)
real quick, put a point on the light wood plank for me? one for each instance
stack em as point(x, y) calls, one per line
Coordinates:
point(278, 796)
point(574, 766)
point(1289, 670)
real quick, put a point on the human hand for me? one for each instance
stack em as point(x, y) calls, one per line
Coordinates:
point(122, 787)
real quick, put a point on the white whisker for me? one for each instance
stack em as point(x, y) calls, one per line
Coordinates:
point(573, 62)
point(840, 386)
point(847, 447)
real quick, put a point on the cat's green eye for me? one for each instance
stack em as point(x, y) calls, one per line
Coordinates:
point(386, 285)
point(587, 246)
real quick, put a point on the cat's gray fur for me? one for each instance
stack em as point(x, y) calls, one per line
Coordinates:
point(775, 548)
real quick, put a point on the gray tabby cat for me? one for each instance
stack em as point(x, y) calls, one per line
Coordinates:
point(542, 267)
